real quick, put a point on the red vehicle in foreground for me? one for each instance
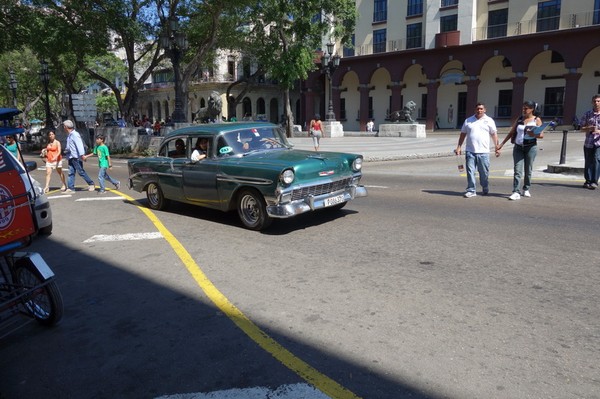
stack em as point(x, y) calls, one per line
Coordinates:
point(28, 290)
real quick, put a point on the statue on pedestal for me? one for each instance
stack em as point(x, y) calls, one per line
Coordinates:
point(404, 115)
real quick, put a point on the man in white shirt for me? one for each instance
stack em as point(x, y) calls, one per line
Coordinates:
point(477, 130)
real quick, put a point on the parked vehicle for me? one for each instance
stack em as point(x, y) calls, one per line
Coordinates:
point(250, 167)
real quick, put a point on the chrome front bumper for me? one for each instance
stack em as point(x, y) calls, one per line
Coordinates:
point(312, 203)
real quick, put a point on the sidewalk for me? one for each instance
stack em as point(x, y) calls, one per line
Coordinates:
point(435, 145)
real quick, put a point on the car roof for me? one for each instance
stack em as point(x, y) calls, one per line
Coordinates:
point(217, 128)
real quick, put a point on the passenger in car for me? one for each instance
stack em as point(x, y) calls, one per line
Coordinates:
point(201, 149)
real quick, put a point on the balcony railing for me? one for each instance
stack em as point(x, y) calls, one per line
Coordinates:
point(389, 46)
point(570, 21)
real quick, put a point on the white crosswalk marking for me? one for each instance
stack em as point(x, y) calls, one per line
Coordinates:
point(293, 391)
point(124, 237)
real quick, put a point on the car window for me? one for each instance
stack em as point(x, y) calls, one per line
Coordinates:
point(176, 148)
point(248, 140)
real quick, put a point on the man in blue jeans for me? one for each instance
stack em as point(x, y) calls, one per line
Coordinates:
point(477, 130)
point(75, 155)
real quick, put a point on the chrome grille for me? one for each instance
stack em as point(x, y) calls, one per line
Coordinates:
point(320, 189)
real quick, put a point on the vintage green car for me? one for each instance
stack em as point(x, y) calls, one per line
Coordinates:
point(248, 166)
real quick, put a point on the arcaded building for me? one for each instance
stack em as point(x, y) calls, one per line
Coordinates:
point(448, 55)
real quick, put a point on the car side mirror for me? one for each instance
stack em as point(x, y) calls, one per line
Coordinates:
point(30, 165)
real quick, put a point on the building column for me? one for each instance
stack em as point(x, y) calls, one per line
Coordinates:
point(336, 94)
point(518, 96)
point(396, 103)
point(309, 112)
point(472, 92)
point(364, 90)
point(571, 92)
point(432, 92)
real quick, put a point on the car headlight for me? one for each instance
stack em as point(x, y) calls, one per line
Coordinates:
point(37, 187)
point(357, 164)
point(287, 176)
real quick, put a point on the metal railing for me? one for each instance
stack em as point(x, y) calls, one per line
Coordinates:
point(526, 27)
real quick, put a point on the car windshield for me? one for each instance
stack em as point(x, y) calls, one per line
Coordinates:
point(246, 141)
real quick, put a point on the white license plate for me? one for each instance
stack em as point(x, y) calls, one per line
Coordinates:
point(338, 199)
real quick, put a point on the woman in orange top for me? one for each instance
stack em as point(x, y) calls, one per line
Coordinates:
point(53, 156)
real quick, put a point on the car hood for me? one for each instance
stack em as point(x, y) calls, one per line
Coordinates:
point(306, 164)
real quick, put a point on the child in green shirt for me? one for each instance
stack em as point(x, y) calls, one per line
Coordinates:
point(104, 163)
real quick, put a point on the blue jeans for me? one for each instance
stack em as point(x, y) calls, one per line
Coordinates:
point(76, 166)
point(523, 157)
point(481, 161)
point(103, 174)
point(591, 168)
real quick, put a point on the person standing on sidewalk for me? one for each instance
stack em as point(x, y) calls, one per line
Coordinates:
point(590, 124)
point(75, 156)
point(104, 163)
point(477, 130)
point(525, 149)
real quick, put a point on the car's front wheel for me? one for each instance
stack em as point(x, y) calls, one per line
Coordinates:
point(252, 210)
point(156, 199)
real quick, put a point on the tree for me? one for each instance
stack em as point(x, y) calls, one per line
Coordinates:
point(284, 35)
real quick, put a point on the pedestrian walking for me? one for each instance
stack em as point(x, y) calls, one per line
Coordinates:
point(315, 129)
point(525, 148)
point(590, 124)
point(104, 163)
point(53, 155)
point(477, 130)
point(75, 156)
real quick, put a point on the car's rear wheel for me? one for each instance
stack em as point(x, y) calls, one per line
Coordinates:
point(156, 199)
point(252, 210)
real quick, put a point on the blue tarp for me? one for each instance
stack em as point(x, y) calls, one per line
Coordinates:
point(7, 114)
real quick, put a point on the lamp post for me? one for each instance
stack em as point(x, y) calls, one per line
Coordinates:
point(12, 84)
point(329, 63)
point(45, 78)
point(175, 43)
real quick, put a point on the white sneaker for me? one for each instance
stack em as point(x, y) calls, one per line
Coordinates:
point(514, 196)
point(526, 193)
point(470, 194)
point(91, 188)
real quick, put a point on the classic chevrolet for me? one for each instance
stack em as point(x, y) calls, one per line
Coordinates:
point(248, 166)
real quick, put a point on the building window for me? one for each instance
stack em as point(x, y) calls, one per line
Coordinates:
point(415, 7)
point(379, 39)
point(449, 3)
point(504, 104)
point(380, 11)
point(548, 15)
point(349, 50)
point(343, 109)
point(497, 23)
point(413, 35)
point(596, 12)
point(449, 23)
point(553, 101)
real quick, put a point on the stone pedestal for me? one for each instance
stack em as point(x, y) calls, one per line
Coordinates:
point(332, 129)
point(402, 130)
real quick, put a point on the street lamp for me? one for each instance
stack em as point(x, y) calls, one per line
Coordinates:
point(45, 78)
point(12, 84)
point(329, 63)
point(175, 43)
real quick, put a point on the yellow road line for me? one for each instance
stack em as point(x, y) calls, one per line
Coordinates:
point(288, 359)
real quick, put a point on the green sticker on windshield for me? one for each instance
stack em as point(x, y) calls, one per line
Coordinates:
point(225, 150)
